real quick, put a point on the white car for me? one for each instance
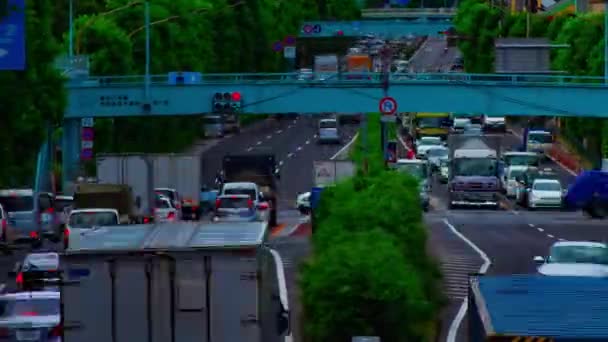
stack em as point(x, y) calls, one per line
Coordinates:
point(510, 182)
point(165, 211)
point(575, 258)
point(547, 193)
point(303, 202)
point(435, 155)
point(31, 316)
point(426, 143)
point(81, 220)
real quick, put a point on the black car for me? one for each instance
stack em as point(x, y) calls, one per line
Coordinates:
point(35, 270)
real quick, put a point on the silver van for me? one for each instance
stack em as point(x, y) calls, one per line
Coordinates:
point(214, 126)
point(31, 216)
point(328, 131)
point(231, 123)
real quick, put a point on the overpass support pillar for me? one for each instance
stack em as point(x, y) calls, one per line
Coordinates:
point(70, 146)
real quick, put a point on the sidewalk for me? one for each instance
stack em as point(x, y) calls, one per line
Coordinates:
point(560, 153)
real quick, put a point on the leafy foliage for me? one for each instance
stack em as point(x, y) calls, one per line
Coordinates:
point(30, 98)
point(370, 271)
point(187, 35)
point(585, 56)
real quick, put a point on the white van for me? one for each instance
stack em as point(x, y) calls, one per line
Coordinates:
point(328, 131)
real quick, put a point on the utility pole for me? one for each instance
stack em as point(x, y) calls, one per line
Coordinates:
point(71, 34)
point(386, 65)
point(604, 160)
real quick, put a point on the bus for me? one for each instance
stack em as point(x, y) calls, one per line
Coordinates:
point(430, 124)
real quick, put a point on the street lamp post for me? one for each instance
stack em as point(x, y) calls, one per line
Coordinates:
point(147, 23)
point(71, 34)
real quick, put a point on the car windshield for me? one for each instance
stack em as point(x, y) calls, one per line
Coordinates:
point(514, 174)
point(484, 167)
point(328, 124)
point(430, 142)
point(429, 122)
point(540, 138)
point(212, 120)
point(547, 186)
point(525, 160)
point(579, 254)
point(233, 202)
point(90, 219)
point(437, 152)
point(417, 170)
point(17, 203)
point(29, 307)
point(241, 191)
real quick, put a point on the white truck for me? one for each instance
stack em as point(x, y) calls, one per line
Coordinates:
point(181, 172)
point(326, 67)
point(178, 282)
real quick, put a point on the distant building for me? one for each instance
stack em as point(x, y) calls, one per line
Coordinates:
point(523, 55)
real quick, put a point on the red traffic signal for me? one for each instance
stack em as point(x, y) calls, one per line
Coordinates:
point(236, 96)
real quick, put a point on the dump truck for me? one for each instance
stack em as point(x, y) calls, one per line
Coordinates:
point(258, 168)
point(475, 171)
point(181, 172)
point(537, 308)
point(109, 196)
point(185, 281)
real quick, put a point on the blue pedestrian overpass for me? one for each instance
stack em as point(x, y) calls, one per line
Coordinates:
point(388, 29)
point(394, 13)
point(279, 93)
point(517, 95)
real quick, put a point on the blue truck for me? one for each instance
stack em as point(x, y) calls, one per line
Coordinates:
point(537, 308)
point(589, 193)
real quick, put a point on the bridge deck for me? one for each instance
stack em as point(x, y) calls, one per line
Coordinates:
point(280, 93)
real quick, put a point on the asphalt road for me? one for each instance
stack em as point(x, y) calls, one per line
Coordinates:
point(431, 57)
point(508, 239)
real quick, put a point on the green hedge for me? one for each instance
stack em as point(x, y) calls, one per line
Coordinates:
point(477, 21)
point(370, 273)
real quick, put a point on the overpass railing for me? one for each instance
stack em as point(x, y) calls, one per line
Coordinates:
point(346, 79)
point(406, 12)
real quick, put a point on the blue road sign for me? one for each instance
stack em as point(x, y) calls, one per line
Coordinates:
point(277, 46)
point(12, 37)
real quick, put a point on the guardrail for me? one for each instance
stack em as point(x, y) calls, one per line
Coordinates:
point(347, 79)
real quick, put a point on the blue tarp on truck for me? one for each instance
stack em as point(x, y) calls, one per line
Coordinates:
point(557, 309)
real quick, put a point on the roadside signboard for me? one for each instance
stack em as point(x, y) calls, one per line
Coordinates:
point(327, 172)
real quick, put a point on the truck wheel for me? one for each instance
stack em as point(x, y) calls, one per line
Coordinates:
point(596, 209)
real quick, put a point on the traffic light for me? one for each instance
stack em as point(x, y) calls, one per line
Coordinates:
point(227, 103)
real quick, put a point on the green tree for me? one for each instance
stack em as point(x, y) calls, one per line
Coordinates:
point(30, 98)
point(364, 286)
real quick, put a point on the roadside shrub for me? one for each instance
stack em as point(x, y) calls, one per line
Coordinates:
point(363, 286)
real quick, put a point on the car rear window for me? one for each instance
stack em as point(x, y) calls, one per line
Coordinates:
point(240, 191)
point(61, 204)
point(162, 204)
point(89, 219)
point(328, 124)
point(167, 193)
point(17, 203)
point(233, 202)
point(29, 307)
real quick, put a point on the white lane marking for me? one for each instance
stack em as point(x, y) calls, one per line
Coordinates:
point(268, 136)
point(290, 155)
point(560, 239)
point(283, 295)
point(531, 225)
point(249, 149)
point(314, 136)
point(453, 331)
point(514, 212)
point(307, 142)
point(280, 131)
point(551, 236)
point(280, 163)
point(289, 126)
point(345, 147)
point(259, 143)
point(540, 230)
point(299, 148)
